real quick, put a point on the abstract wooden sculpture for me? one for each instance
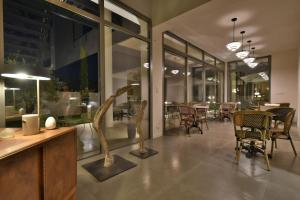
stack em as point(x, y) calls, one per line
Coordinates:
point(139, 130)
point(98, 120)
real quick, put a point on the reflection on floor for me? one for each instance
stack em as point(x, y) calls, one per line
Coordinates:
point(198, 167)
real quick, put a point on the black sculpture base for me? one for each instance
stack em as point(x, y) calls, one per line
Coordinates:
point(102, 173)
point(149, 152)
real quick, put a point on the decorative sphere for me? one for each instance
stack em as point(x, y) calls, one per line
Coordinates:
point(50, 123)
point(21, 111)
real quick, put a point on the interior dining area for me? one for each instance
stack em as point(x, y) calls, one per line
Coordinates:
point(149, 99)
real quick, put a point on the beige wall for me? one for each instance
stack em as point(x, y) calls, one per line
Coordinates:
point(298, 121)
point(284, 77)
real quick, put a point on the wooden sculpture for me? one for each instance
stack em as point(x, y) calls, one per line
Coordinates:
point(139, 130)
point(98, 120)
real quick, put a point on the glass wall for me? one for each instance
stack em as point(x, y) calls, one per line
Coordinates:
point(250, 86)
point(191, 75)
point(174, 90)
point(64, 41)
point(39, 35)
point(126, 64)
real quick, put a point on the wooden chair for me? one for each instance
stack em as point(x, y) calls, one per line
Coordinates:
point(252, 132)
point(283, 116)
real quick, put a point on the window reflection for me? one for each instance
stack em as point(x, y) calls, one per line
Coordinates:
point(174, 89)
point(250, 86)
point(126, 63)
point(40, 35)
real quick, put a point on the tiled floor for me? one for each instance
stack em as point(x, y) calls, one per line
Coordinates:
point(199, 167)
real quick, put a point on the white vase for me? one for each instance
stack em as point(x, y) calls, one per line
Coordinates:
point(50, 123)
point(30, 124)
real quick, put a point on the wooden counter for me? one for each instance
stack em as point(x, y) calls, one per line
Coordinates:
point(41, 166)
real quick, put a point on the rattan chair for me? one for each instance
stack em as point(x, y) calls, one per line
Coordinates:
point(201, 117)
point(283, 116)
point(188, 118)
point(252, 132)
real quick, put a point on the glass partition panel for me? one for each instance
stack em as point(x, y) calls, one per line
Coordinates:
point(195, 81)
point(124, 18)
point(126, 63)
point(40, 35)
point(250, 86)
point(209, 59)
point(174, 89)
point(211, 85)
point(220, 65)
point(194, 52)
point(174, 43)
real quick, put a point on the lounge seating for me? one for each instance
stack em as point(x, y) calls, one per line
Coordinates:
point(283, 116)
point(252, 132)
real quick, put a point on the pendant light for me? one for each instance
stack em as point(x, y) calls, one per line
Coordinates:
point(243, 53)
point(234, 45)
point(252, 64)
point(250, 58)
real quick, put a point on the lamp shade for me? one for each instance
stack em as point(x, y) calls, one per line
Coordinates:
point(242, 54)
point(252, 65)
point(25, 72)
point(233, 46)
point(249, 60)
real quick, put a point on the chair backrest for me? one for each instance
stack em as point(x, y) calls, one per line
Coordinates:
point(172, 108)
point(252, 119)
point(186, 110)
point(284, 105)
point(289, 121)
point(280, 113)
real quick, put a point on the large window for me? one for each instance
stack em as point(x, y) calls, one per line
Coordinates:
point(63, 39)
point(249, 86)
point(191, 75)
point(127, 63)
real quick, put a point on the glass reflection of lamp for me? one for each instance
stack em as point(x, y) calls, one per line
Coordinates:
point(33, 73)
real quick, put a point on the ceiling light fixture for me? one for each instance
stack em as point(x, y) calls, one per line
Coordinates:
point(234, 45)
point(250, 58)
point(252, 64)
point(175, 71)
point(243, 53)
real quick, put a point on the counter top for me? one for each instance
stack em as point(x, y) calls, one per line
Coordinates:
point(20, 143)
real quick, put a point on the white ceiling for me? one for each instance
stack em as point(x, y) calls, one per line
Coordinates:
point(272, 25)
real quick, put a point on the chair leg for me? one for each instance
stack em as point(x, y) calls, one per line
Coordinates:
point(267, 161)
point(272, 147)
point(276, 144)
point(206, 124)
point(237, 151)
point(293, 145)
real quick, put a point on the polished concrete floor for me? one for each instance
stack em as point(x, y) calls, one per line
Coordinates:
point(198, 167)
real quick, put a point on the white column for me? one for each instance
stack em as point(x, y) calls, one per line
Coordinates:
point(157, 83)
point(108, 72)
point(226, 82)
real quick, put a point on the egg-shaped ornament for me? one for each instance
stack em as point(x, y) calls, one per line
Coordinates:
point(50, 123)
